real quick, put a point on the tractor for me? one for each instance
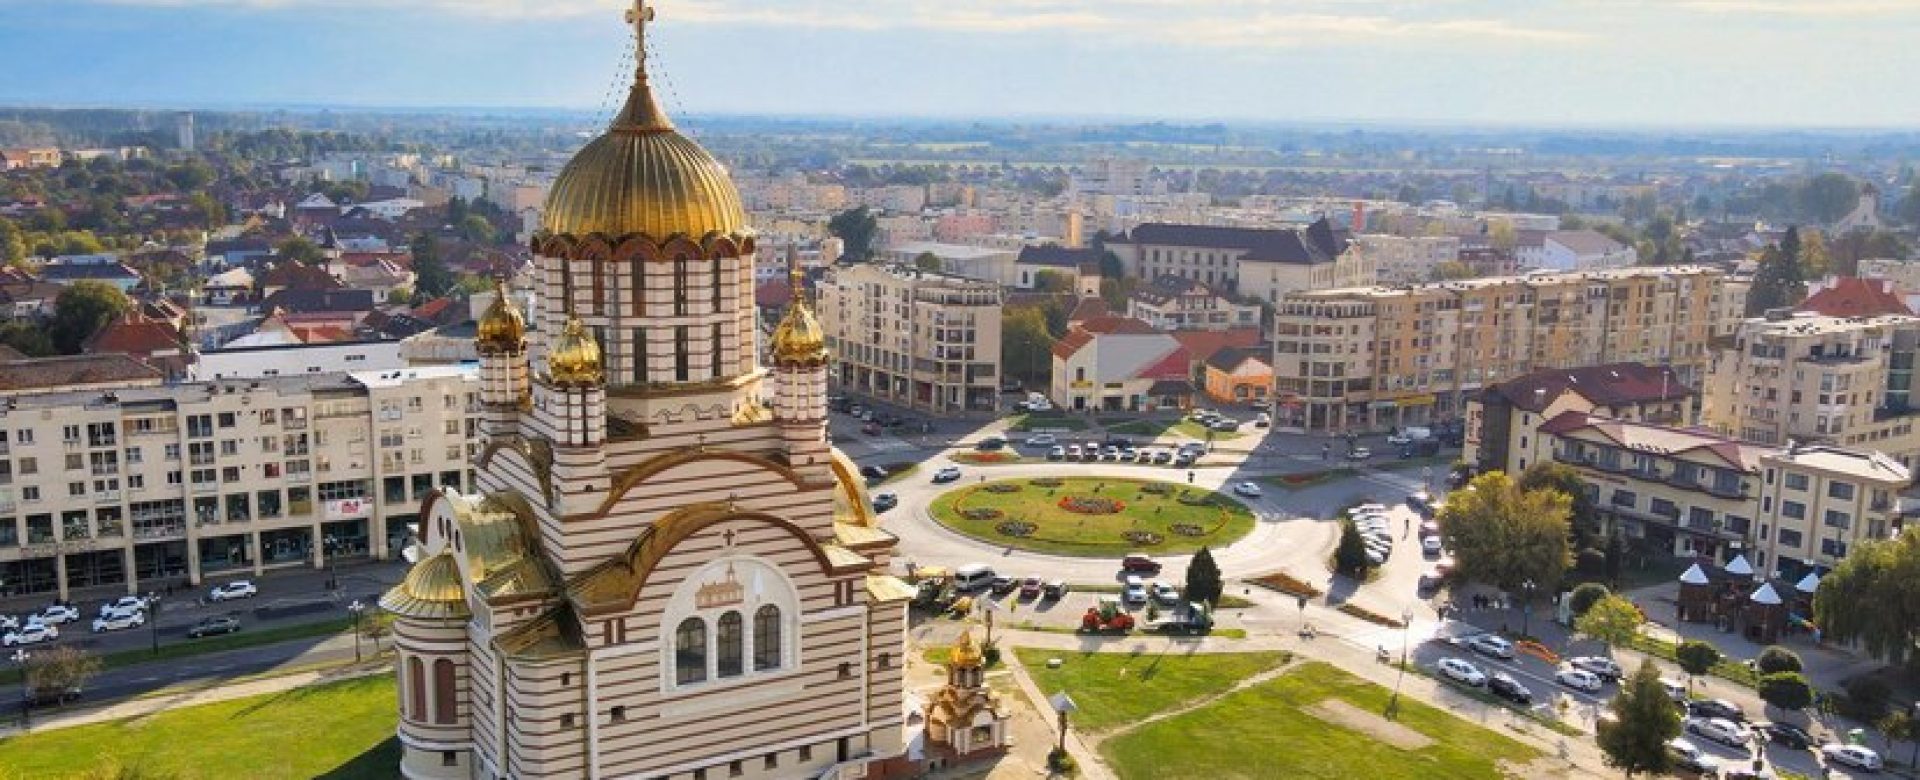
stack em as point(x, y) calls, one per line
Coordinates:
point(1107, 617)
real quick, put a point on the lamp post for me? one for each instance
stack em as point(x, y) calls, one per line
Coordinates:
point(356, 608)
point(1526, 608)
point(153, 619)
point(21, 656)
point(1406, 631)
point(1062, 704)
point(330, 546)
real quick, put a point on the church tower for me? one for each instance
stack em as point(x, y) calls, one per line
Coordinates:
point(667, 571)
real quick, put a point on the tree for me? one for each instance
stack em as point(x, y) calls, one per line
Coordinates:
point(300, 250)
point(477, 229)
point(856, 227)
point(432, 279)
point(1777, 659)
point(190, 177)
point(376, 626)
point(28, 339)
point(206, 211)
point(1873, 597)
point(1350, 558)
point(1778, 282)
point(1848, 250)
point(61, 668)
point(927, 261)
point(1828, 197)
point(1506, 537)
point(1585, 596)
point(1696, 658)
point(1554, 475)
point(1909, 210)
point(1451, 270)
point(1786, 690)
point(13, 244)
point(1612, 620)
point(1815, 262)
point(81, 310)
point(457, 210)
point(1900, 726)
point(1203, 578)
point(1026, 348)
point(1051, 281)
point(1635, 738)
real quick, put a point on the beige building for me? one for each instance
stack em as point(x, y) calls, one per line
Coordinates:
point(923, 340)
point(1178, 303)
point(1816, 379)
point(114, 482)
point(1407, 259)
point(1502, 420)
point(1259, 263)
point(1372, 357)
point(664, 569)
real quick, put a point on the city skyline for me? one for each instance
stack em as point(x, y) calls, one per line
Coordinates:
point(1728, 63)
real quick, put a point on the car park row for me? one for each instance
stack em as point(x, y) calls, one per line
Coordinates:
point(119, 614)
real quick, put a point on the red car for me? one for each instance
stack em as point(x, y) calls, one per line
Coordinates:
point(1140, 563)
point(1030, 588)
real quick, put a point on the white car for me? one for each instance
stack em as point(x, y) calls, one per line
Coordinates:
point(1399, 439)
point(117, 621)
point(237, 589)
point(1135, 592)
point(1491, 645)
point(1247, 489)
point(1721, 730)
point(1578, 679)
point(31, 633)
point(1166, 594)
point(116, 612)
point(1041, 440)
point(1690, 757)
point(1604, 667)
point(55, 614)
point(1462, 671)
point(1367, 509)
point(947, 474)
point(9, 622)
point(1430, 545)
point(1855, 756)
point(124, 604)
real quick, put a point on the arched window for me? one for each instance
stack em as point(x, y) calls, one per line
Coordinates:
point(766, 638)
point(443, 691)
point(732, 643)
point(690, 651)
point(416, 689)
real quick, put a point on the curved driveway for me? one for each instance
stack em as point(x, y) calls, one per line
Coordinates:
point(1282, 538)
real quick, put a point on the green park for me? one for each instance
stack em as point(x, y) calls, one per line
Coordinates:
point(1093, 516)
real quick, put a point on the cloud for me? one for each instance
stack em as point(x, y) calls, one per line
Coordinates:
point(1826, 8)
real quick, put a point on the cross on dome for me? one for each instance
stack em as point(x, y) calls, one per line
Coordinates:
point(640, 15)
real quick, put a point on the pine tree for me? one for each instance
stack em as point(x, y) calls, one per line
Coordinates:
point(1203, 578)
point(1779, 282)
point(1350, 558)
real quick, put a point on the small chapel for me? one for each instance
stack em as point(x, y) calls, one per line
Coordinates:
point(665, 570)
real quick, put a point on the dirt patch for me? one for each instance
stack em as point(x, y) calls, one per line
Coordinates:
point(1340, 713)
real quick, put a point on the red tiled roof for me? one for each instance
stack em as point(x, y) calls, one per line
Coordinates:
point(1071, 343)
point(1202, 344)
point(1087, 308)
point(773, 294)
point(67, 371)
point(1855, 297)
point(1613, 384)
point(1177, 364)
point(432, 309)
point(295, 276)
point(135, 335)
point(1109, 324)
point(1657, 439)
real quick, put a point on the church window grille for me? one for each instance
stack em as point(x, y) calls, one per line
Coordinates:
point(766, 638)
point(732, 641)
point(846, 670)
point(566, 720)
point(806, 752)
point(690, 651)
point(566, 679)
point(886, 660)
point(449, 758)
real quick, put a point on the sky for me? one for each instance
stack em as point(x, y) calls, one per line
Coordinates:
point(1628, 63)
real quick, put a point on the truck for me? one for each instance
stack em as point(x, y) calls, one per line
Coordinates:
point(1195, 619)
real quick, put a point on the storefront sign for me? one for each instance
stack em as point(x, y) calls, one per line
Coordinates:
point(345, 508)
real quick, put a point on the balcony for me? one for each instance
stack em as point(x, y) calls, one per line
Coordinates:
point(153, 532)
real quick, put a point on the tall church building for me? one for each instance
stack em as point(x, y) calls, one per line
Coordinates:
point(667, 571)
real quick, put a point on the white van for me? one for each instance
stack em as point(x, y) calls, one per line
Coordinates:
point(973, 576)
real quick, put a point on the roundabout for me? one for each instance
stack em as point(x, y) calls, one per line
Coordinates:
point(1093, 516)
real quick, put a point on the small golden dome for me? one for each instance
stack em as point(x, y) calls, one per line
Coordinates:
point(575, 358)
point(966, 653)
point(799, 339)
point(435, 580)
point(502, 328)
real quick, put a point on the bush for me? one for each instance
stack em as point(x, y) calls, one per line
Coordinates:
point(1777, 659)
point(991, 655)
point(1786, 690)
point(1583, 597)
point(1591, 562)
point(1866, 699)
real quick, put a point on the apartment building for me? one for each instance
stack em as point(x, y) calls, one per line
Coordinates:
point(1368, 358)
point(1812, 378)
point(1172, 302)
point(130, 485)
point(1407, 259)
point(1502, 420)
point(1691, 492)
point(1260, 263)
point(923, 340)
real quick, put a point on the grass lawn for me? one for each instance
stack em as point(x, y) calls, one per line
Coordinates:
point(180, 647)
point(1194, 430)
point(1308, 478)
point(338, 730)
point(1118, 688)
point(1217, 520)
point(1271, 737)
point(1046, 422)
point(1147, 428)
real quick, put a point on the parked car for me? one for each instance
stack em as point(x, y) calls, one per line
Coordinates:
point(1717, 708)
point(55, 614)
point(1183, 460)
point(873, 473)
point(9, 622)
point(991, 443)
point(1491, 645)
point(1399, 439)
point(51, 697)
point(118, 621)
point(1135, 591)
point(1030, 588)
point(30, 634)
point(1788, 735)
point(213, 625)
point(1720, 730)
point(870, 429)
point(1144, 564)
point(1430, 546)
point(1162, 457)
point(1054, 589)
point(885, 501)
point(237, 589)
point(946, 474)
point(1461, 671)
point(1073, 452)
point(1003, 585)
point(125, 603)
point(1225, 425)
point(1166, 594)
point(1578, 679)
point(1041, 440)
point(1604, 667)
point(1359, 453)
point(1262, 420)
point(1419, 499)
point(1504, 686)
point(1057, 453)
point(1247, 489)
point(1856, 756)
point(1690, 757)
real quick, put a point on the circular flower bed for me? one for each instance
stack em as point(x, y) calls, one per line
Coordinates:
point(1157, 489)
point(1002, 487)
point(1017, 528)
point(1092, 506)
point(986, 458)
point(982, 514)
point(1143, 538)
point(1187, 529)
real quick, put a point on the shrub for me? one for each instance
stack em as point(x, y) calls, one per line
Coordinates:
point(1092, 506)
point(1777, 659)
point(1583, 597)
point(1591, 561)
point(1866, 699)
point(1786, 690)
point(1286, 583)
point(1350, 558)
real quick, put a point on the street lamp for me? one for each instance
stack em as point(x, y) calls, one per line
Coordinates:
point(1406, 631)
point(330, 547)
point(1062, 704)
point(21, 656)
point(1526, 608)
point(153, 619)
point(356, 608)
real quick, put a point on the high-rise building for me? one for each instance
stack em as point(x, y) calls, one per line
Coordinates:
point(661, 573)
point(923, 340)
point(184, 124)
point(1369, 358)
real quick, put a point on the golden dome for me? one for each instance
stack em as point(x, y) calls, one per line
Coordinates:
point(502, 328)
point(575, 358)
point(643, 176)
point(965, 652)
point(799, 340)
point(436, 580)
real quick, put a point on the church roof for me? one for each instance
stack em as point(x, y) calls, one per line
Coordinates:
point(432, 589)
point(886, 587)
point(555, 634)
